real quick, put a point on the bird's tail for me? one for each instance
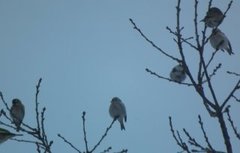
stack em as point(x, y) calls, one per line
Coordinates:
point(18, 128)
point(229, 49)
point(122, 126)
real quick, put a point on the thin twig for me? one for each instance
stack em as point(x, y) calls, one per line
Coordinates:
point(4, 102)
point(84, 131)
point(182, 39)
point(237, 99)
point(123, 151)
point(179, 142)
point(36, 104)
point(103, 136)
point(209, 62)
point(213, 73)
point(204, 133)
point(69, 143)
point(233, 73)
point(237, 86)
point(192, 141)
point(27, 141)
point(232, 124)
point(165, 78)
point(107, 150)
point(148, 40)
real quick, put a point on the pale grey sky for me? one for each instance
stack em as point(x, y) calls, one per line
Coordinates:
point(87, 52)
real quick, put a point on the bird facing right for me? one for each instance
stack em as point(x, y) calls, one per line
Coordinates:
point(117, 111)
point(17, 112)
point(219, 40)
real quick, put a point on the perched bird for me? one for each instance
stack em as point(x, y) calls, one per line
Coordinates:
point(178, 73)
point(117, 111)
point(218, 40)
point(17, 112)
point(213, 18)
point(5, 135)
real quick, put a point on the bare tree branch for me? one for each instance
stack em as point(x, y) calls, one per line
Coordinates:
point(178, 139)
point(165, 78)
point(69, 143)
point(148, 40)
point(36, 104)
point(237, 86)
point(237, 134)
point(204, 133)
point(233, 73)
point(103, 136)
point(237, 99)
point(192, 141)
point(84, 132)
point(107, 150)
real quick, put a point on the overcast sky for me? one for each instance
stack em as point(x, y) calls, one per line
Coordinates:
point(87, 52)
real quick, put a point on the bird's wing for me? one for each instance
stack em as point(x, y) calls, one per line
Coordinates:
point(123, 108)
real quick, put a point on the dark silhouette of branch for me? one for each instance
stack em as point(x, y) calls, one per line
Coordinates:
point(204, 133)
point(224, 132)
point(38, 134)
point(217, 108)
point(237, 86)
point(69, 143)
point(177, 138)
point(40, 130)
point(85, 137)
point(4, 102)
point(107, 150)
point(165, 78)
point(84, 131)
point(213, 73)
point(123, 151)
point(192, 140)
point(151, 42)
point(22, 140)
point(185, 40)
point(103, 136)
point(214, 108)
point(237, 99)
point(36, 104)
point(233, 73)
point(211, 59)
point(237, 134)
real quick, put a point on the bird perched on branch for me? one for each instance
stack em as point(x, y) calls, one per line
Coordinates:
point(5, 135)
point(178, 73)
point(17, 112)
point(213, 18)
point(117, 111)
point(218, 40)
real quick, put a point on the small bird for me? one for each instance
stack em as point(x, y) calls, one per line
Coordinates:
point(17, 112)
point(5, 135)
point(178, 73)
point(218, 40)
point(117, 110)
point(213, 18)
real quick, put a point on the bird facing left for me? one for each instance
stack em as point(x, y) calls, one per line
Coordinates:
point(17, 113)
point(5, 135)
